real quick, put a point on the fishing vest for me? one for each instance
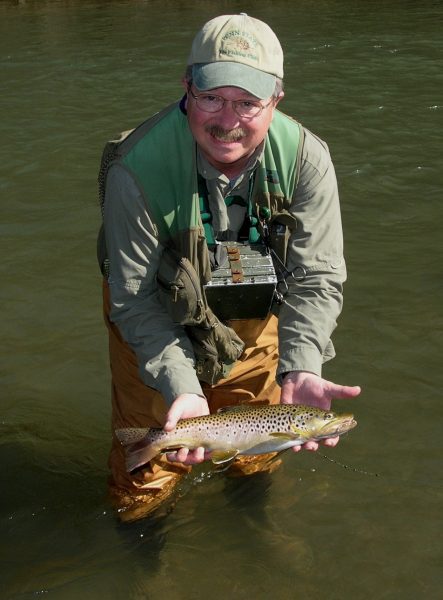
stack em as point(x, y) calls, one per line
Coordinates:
point(160, 155)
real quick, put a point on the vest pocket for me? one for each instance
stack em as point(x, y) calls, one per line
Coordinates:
point(216, 346)
point(179, 289)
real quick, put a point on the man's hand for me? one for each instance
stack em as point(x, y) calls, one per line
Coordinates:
point(184, 407)
point(300, 387)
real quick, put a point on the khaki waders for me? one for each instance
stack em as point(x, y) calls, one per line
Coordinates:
point(134, 404)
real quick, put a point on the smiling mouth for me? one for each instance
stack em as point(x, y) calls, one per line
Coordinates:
point(226, 135)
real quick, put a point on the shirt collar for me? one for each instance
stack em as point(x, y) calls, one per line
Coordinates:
point(208, 171)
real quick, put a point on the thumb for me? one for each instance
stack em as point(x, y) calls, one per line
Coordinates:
point(171, 419)
point(345, 391)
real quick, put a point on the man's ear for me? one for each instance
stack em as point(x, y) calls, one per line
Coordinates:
point(185, 83)
point(279, 97)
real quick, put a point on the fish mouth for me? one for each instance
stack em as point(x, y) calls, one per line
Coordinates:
point(339, 426)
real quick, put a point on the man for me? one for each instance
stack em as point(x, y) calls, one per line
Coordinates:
point(226, 151)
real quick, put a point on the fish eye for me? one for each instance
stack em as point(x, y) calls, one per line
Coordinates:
point(329, 416)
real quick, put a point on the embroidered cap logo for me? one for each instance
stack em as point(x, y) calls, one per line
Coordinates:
point(237, 43)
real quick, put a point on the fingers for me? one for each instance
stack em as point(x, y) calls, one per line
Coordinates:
point(183, 407)
point(297, 448)
point(313, 390)
point(314, 446)
point(187, 457)
point(343, 391)
point(331, 442)
point(311, 446)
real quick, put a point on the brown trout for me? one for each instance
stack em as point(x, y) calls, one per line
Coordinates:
point(234, 430)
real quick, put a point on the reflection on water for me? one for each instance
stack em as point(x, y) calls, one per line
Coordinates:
point(367, 78)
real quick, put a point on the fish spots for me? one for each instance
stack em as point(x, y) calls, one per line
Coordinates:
point(247, 426)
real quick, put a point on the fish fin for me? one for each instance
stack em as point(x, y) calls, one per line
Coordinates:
point(219, 457)
point(235, 408)
point(155, 484)
point(276, 457)
point(223, 467)
point(285, 435)
point(131, 435)
point(175, 448)
point(138, 450)
point(139, 454)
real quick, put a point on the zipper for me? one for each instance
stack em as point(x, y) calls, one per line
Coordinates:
point(184, 263)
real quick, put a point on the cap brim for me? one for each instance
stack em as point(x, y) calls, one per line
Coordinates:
point(208, 76)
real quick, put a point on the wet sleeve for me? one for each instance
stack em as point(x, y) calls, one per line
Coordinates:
point(314, 296)
point(163, 350)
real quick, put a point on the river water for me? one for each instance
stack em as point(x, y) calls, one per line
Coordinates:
point(368, 78)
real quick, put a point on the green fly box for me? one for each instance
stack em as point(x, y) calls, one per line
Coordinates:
point(244, 286)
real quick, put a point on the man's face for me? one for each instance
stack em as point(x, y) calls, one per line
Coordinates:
point(226, 139)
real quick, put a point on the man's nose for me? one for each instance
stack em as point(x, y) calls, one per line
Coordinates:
point(227, 117)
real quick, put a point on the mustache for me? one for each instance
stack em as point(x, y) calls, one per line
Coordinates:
point(226, 135)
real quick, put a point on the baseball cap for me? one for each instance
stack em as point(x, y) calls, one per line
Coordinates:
point(238, 51)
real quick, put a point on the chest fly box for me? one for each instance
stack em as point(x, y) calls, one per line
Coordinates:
point(243, 287)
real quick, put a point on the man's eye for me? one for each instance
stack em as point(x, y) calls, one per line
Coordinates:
point(208, 98)
point(247, 104)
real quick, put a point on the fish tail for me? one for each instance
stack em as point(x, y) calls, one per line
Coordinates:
point(138, 447)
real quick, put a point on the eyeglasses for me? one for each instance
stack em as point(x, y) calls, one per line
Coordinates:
point(247, 109)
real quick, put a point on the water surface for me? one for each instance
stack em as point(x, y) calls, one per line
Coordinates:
point(365, 76)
